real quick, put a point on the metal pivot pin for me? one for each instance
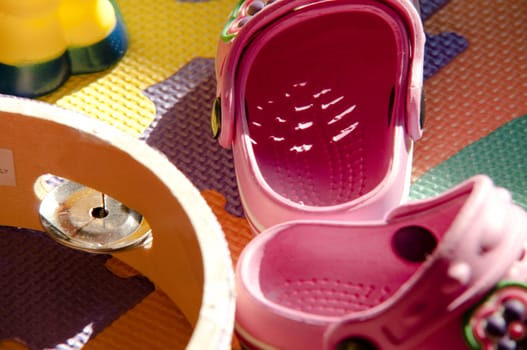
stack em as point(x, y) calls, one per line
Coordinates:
point(83, 218)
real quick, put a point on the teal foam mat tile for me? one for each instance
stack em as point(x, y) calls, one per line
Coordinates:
point(502, 155)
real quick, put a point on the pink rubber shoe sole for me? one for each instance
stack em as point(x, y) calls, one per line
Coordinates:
point(437, 274)
point(320, 103)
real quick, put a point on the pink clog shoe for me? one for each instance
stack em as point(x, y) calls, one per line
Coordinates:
point(320, 102)
point(445, 273)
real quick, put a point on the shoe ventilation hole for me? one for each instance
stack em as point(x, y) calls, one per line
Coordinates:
point(355, 344)
point(414, 243)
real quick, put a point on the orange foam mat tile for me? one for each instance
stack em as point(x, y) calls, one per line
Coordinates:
point(236, 229)
point(155, 323)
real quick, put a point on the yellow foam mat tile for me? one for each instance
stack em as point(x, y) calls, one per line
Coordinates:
point(164, 35)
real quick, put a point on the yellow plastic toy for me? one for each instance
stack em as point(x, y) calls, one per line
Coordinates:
point(45, 41)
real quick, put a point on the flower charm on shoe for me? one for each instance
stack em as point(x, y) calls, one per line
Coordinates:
point(500, 322)
point(240, 15)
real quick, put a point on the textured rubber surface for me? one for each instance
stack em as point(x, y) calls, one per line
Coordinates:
point(181, 130)
point(502, 155)
point(52, 293)
point(441, 49)
point(480, 90)
point(486, 85)
point(428, 7)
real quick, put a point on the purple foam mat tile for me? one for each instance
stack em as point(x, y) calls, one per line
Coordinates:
point(428, 7)
point(181, 130)
point(50, 294)
point(441, 49)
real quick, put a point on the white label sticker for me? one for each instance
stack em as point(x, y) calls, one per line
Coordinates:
point(7, 168)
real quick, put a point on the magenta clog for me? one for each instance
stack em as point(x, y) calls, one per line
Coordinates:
point(443, 273)
point(320, 102)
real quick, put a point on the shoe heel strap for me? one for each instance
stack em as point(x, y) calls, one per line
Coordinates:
point(461, 271)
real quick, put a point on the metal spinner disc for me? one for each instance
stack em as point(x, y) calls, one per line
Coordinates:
point(82, 218)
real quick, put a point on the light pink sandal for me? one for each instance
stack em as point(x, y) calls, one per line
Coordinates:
point(445, 273)
point(320, 101)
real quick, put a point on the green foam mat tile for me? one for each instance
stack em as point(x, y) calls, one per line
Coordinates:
point(502, 155)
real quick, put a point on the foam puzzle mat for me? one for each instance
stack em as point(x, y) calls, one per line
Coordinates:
point(162, 91)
